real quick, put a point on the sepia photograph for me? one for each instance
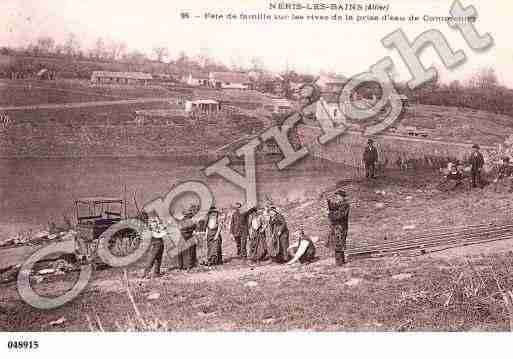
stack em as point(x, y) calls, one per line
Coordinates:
point(254, 166)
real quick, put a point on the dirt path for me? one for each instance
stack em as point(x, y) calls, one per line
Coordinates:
point(85, 104)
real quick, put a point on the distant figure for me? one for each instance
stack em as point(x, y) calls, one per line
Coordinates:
point(277, 235)
point(257, 241)
point(187, 258)
point(476, 163)
point(370, 157)
point(156, 249)
point(453, 178)
point(505, 171)
point(338, 216)
point(239, 230)
point(455, 173)
point(213, 238)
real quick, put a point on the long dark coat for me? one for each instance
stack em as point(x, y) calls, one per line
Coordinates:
point(370, 155)
point(278, 238)
point(338, 216)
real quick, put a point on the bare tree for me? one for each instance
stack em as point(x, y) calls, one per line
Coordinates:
point(116, 50)
point(257, 63)
point(136, 58)
point(72, 45)
point(99, 49)
point(160, 52)
point(485, 78)
point(45, 44)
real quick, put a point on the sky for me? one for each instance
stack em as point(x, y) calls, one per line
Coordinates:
point(307, 46)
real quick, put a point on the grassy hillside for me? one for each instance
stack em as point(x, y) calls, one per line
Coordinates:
point(459, 124)
point(30, 92)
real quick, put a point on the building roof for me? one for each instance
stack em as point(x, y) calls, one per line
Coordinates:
point(331, 80)
point(97, 200)
point(199, 74)
point(331, 97)
point(167, 113)
point(231, 77)
point(42, 72)
point(211, 102)
point(124, 75)
point(281, 102)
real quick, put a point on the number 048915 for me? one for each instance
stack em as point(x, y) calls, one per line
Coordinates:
point(22, 344)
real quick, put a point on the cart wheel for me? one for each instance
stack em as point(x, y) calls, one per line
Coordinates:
point(124, 242)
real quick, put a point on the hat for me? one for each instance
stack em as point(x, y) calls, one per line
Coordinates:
point(237, 205)
point(505, 159)
point(476, 146)
point(213, 209)
point(273, 208)
point(341, 192)
point(370, 140)
point(188, 212)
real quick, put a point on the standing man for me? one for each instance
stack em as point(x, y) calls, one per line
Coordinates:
point(156, 248)
point(370, 157)
point(239, 230)
point(476, 163)
point(338, 215)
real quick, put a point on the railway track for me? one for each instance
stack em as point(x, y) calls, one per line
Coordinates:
point(435, 240)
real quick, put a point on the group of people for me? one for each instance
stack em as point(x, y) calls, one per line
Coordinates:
point(455, 173)
point(186, 250)
point(476, 162)
point(260, 234)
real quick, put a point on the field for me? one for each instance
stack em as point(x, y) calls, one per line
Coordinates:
point(458, 290)
point(459, 124)
point(463, 289)
point(32, 92)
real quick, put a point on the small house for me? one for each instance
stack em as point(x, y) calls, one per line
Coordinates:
point(124, 78)
point(230, 80)
point(202, 106)
point(197, 78)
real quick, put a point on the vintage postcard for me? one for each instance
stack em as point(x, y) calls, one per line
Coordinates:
point(254, 166)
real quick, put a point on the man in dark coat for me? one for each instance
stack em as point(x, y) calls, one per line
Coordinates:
point(338, 215)
point(370, 157)
point(476, 163)
point(239, 230)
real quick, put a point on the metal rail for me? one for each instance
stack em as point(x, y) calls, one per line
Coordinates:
point(445, 240)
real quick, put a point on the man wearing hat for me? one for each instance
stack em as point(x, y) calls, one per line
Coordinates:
point(338, 215)
point(370, 157)
point(476, 163)
point(239, 230)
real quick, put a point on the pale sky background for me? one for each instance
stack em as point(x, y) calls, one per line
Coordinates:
point(308, 46)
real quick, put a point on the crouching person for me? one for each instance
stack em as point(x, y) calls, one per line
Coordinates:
point(303, 250)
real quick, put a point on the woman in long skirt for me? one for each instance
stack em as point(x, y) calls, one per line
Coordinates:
point(257, 239)
point(187, 258)
point(213, 238)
